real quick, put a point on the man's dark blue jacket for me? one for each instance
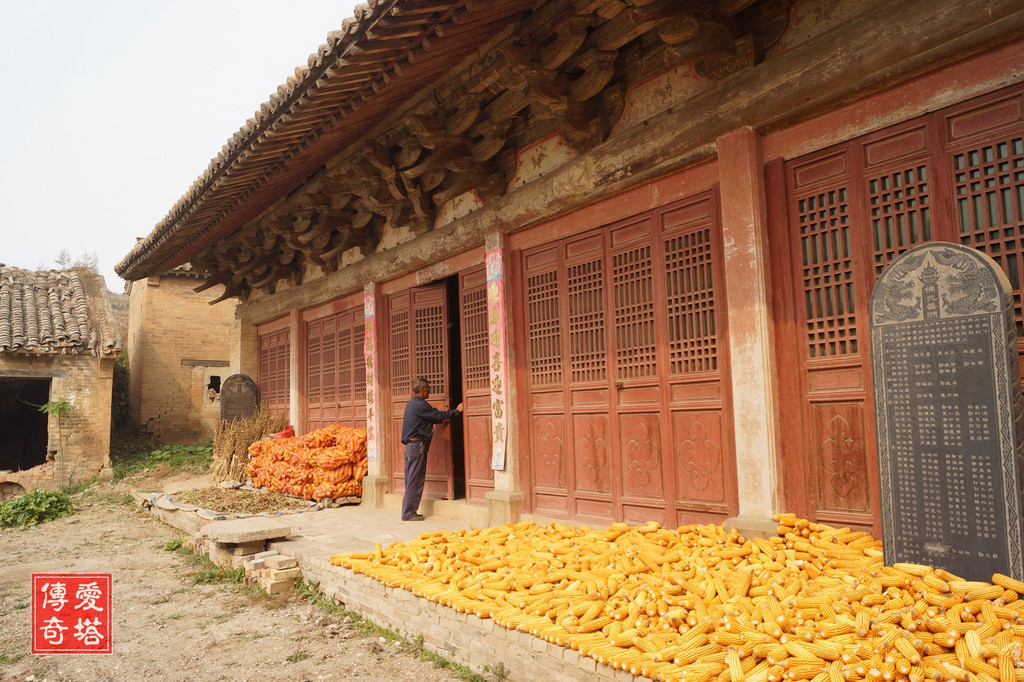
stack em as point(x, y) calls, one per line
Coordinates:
point(420, 417)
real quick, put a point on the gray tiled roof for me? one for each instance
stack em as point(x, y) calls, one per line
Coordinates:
point(49, 312)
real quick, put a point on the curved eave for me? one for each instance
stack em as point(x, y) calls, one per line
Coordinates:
point(364, 72)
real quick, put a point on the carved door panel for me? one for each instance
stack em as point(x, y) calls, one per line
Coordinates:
point(419, 348)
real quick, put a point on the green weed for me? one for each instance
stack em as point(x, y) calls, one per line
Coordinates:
point(177, 457)
point(38, 506)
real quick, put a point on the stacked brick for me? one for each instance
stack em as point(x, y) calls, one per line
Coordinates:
point(272, 572)
point(326, 463)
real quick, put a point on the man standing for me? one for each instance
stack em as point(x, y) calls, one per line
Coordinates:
point(417, 430)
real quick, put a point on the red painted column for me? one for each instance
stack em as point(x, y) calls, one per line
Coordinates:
point(297, 370)
point(505, 502)
point(755, 395)
point(375, 483)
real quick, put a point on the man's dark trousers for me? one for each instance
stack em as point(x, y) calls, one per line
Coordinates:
point(415, 473)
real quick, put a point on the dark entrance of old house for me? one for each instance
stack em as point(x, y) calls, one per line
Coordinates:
point(424, 339)
point(23, 428)
point(953, 175)
point(624, 341)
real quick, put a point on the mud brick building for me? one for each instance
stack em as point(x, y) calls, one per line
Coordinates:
point(635, 237)
point(58, 343)
point(178, 354)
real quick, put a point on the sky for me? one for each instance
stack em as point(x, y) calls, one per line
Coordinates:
point(110, 110)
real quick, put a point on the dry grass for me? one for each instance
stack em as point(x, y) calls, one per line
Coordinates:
point(236, 501)
point(231, 441)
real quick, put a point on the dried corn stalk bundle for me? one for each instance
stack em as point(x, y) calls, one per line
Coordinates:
point(329, 462)
point(232, 438)
point(702, 603)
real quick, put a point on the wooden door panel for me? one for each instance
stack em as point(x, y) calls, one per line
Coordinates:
point(479, 475)
point(640, 452)
point(548, 447)
point(476, 385)
point(274, 371)
point(336, 371)
point(700, 460)
point(401, 384)
point(839, 464)
point(591, 454)
point(419, 348)
point(430, 319)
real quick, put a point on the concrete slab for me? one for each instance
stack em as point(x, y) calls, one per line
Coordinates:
point(237, 531)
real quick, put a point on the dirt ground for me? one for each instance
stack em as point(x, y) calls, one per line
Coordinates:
point(168, 627)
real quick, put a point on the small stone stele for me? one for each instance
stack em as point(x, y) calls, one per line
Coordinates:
point(948, 412)
point(239, 397)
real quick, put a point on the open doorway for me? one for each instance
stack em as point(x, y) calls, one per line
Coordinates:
point(23, 428)
point(455, 385)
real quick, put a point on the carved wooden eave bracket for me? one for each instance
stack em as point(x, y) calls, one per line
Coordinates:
point(563, 67)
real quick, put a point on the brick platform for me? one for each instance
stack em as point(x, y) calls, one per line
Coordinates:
point(471, 641)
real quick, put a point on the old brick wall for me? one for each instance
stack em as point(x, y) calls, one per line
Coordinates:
point(79, 441)
point(177, 341)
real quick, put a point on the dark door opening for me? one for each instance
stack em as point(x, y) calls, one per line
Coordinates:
point(23, 428)
point(455, 385)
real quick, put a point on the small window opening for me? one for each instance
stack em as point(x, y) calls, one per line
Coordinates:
point(213, 388)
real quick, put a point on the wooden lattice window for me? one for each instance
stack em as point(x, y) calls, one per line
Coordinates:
point(633, 299)
point(476, 369)
point(359, 360)
point(899, 206)
point(344, 362)
point(329, 362)
point(827, 273)
point(430, 348)
point(989, 191)
point(693, 343)
point(586, 323)
point(274, 371)
point(336, 368)
point(313, 351)
point(400, 378)
point(544, 320)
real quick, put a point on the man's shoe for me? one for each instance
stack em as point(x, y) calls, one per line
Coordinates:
point(415, 517)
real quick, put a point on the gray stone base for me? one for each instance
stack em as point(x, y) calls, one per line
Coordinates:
point(753, 526)
point(504, 507)
point(374, 490)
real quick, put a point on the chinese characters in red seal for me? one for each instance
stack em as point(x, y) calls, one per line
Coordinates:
point(71, 613)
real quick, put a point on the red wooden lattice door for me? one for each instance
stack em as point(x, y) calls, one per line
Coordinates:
point(419, 348)
point(274, 375)
point(336, 370)
point(628, 416)
point(476, 377)
point(955, 175)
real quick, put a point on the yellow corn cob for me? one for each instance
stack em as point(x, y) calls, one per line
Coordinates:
point(1008, 583)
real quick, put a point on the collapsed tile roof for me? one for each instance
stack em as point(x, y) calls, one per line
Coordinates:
point(55, 312)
